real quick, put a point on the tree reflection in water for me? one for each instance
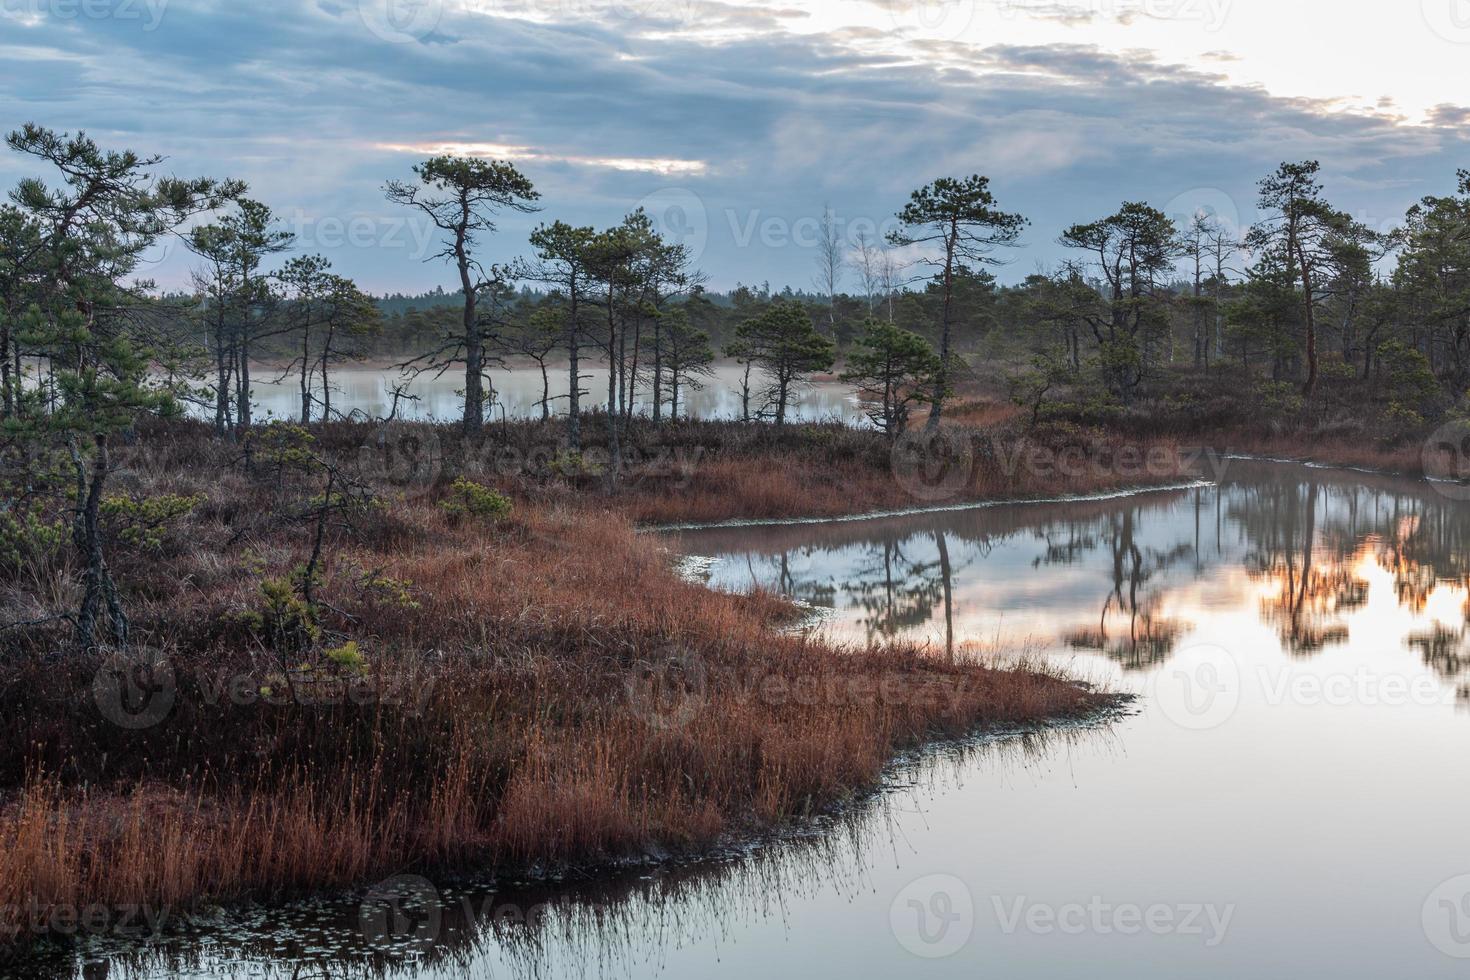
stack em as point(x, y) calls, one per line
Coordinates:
point(1119, 577)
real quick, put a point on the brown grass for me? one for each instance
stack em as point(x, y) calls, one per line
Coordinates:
point(550, 692)
point(828, 471)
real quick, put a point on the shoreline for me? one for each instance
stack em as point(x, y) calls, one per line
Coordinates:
point(570, 646)
point(532, 886)
point(592, 579)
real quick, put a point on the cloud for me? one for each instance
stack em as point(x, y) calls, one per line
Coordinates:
point(1449, 116)
point(750, 114)
point(501, 151)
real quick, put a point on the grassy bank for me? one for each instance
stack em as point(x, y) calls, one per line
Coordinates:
point(1344, 422)
point(451, 682)
point(716, 471)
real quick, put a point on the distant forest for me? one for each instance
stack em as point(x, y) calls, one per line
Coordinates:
point(1306, 304)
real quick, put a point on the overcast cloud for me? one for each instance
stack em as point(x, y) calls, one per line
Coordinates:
point(734, 125)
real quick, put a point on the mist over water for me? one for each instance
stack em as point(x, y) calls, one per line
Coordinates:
point(518, 392)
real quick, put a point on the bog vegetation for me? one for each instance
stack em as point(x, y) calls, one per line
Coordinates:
point(381, 644)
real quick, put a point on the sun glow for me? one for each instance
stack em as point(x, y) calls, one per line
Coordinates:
point(505, 151)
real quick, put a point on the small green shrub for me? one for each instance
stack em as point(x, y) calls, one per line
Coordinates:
point(468, 499)
point(1278, 399)
point(142, 522)
point(285, 621)
point(347, 657)
point(385, 590)
point(26, 538)
point(285, 445)
point(1400, 419)
point(571, 465)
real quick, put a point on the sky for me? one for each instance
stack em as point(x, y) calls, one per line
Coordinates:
point(737, 125)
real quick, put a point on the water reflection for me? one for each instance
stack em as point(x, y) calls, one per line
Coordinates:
point(517, 393)
point(1119, 577)
point(1326, 614)
point(639, 922)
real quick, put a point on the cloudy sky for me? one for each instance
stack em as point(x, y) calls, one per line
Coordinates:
point(736, 124)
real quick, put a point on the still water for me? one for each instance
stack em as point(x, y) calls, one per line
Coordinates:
point(517, 393)
point(1288, 796)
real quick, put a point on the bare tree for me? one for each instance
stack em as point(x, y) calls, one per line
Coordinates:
point(868, 258)
point(461, 195)
point(831, 263)
point(890, 273)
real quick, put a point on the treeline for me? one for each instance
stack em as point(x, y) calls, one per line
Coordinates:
point(1307, 298)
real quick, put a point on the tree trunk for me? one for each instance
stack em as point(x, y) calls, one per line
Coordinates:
point(658, 369)
point(242, 408)
point(474, 350)
point(222, 393)
point(613, 387)
point(1311, 382)
point(474, 377)
point(306, 376)
point(574, 393)
point(87, 536)
point(941, 381)
point(326, 380)
point(8, 408)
